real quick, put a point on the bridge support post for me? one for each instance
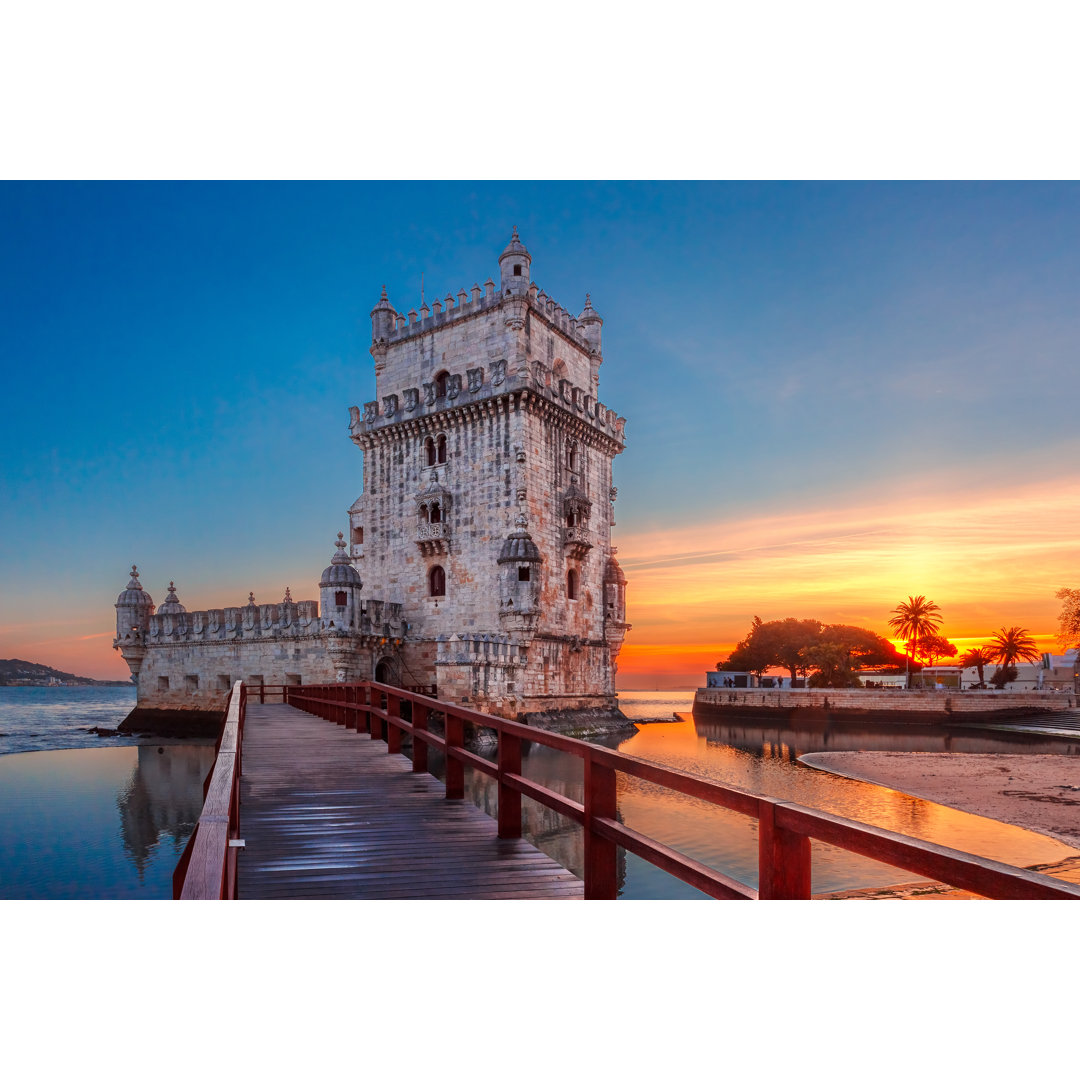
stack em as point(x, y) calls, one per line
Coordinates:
point(783, 858)
point(509, 800)
point(601, 800)
point(419, 747)
point(350, 711)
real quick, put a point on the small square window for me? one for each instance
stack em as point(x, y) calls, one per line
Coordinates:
point(523, 573)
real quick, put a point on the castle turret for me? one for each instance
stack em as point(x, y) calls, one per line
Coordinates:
point(339, 591)
point(383, 318)
point(514, 268)
point(133, 610)
point(519, 579)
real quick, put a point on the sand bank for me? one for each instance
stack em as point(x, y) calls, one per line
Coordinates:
point(1040, 792)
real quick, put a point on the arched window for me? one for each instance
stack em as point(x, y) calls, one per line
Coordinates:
point(358, 534)
point(424, 513)
point(440, 384)
point(571, 457)
point(440, 448)
point(437, 581)
point(558, 370)
point(436, 513)
point(571, 585)
point(340, 598)
point(429, 450)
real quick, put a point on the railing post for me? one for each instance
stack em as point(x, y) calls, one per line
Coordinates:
point(455, 769)
point(375, 724)
point(393, 732)
point(363, 718)
point(350, 712)
point(509, 800)
point(419, 747)
point(601, 801)
point(783, 858)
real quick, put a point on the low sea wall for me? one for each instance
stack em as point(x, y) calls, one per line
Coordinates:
point(897, 706)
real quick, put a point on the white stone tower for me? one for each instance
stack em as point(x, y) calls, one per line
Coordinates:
point(488, 501)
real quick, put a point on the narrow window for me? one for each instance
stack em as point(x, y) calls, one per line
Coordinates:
point(440, 384)
point(571, 585)
point(571, 457)
point(437, 581)
point(523, 573)
point(517, 269)
point(340, 599)
point(429, 450)
point(441, 450)
point(424, 514)
point(436, 513)
point(358, 534)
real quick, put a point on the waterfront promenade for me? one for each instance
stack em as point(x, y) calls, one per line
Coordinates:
point(330, 815)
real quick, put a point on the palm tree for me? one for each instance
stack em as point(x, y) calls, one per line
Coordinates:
point(1011, 645)
point(915, 619)
point(978, 659)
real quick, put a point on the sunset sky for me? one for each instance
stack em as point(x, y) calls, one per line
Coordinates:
point(837, 394)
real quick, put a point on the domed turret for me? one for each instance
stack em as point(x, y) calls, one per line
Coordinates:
point(514, 268)
point(590, 325)
point(339, 590)
point(520, 564)
point(133, 608)
point(383, 317)
point(171, 605)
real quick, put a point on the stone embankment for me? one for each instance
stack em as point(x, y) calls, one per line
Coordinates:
point(895, 706)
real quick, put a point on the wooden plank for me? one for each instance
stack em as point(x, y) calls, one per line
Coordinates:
point(326, 815)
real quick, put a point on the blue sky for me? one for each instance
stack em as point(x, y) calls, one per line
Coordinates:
point(179, 359)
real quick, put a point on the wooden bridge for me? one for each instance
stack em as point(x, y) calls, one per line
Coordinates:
point(328, 814)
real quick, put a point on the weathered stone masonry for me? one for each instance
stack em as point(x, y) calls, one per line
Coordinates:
point(484, 525)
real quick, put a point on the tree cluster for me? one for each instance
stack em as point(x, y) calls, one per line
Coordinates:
point(834, 653)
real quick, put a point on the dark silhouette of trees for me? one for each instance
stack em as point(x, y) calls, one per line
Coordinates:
point(934, 647)
point(913, 620)
point(1006, 648)
point(978, 659)
point(1069, 619)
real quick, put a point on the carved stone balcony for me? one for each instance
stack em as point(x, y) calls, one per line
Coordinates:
point(576, 541)
point(433, 539)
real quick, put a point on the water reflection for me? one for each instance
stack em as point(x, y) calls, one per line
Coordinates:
point(764, 760)
point(97, 824)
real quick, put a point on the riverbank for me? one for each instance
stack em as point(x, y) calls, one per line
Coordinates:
point(1040, 792)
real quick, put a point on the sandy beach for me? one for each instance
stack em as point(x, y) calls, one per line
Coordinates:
point(1040, 792)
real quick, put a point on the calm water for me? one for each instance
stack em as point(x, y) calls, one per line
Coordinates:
point(94, 818)
point(762, 759)
point(89, 818)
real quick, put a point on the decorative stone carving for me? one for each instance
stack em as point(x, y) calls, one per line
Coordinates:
point(412, 398)
point(371, 411)
point(498, 372)
point(453, 386)
point(429, 393)
point(476, 379)
point(390, 405)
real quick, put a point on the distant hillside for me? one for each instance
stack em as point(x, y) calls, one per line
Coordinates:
point(27, 673)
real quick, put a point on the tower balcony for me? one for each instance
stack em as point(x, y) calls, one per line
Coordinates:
point(433, 538)
point(576, 540)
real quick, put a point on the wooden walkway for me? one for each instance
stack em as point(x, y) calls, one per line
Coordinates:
point(328, 814)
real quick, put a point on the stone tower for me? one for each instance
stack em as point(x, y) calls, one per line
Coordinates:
point(487, 502)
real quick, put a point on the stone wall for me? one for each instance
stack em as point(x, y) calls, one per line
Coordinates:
point(913, 706)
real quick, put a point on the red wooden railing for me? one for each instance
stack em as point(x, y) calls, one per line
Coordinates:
point(207, 868)
point(784, 829)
